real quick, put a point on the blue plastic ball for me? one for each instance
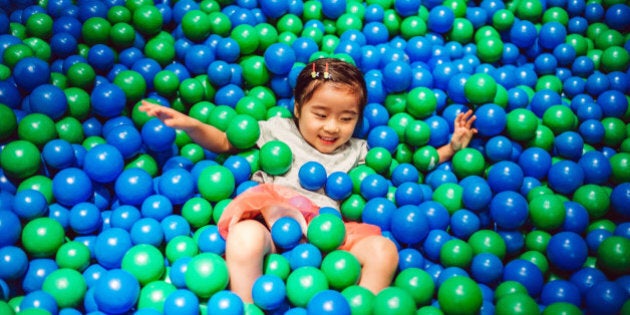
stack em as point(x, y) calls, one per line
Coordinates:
point(535, 162)
point(210, 240)
point(177, 185)
point(58, 154)
point(565, 177)
point(526, 273)
point(410, 258)
point(101, 57)
point(523, 33)
point(124, 217)
point(305, 254)
point(505, 175)
point(126, 138)
point(85, 218)
point(338, 186)
point(39, 300)
point(29, 204)
point(312, 175)
point(108, 100)
point(49, 100)
point(586, 278)
point(103, 163)
point(595, 238)
point(440, 19)
point(328, 302)
point(116, 292)
point(333, 9)
point(10, 227)
point(269, 292)
point(31, 72)
point(597, 168)
point(383, 136)
point(72, 186)
point(147, 231)
point(409, 193)
point(433, 243)
point(279, 58)
point(552, 34)
point(576, 219)
point(373, 186)
point(110, 247)
point(14, 262)
point(567, 251)
point(37, 271)
point(486, 268)
point(569, 145)
point(174, 226)
point(133, 186)
point(613, 103)
point(409, 224)
point(286, 233)
point(605, 297)
point(560, 290)
point(464, 223)
point(181, 302)
point(397, 76)
point(378, 211)
point(620, 198)
point(157, 136)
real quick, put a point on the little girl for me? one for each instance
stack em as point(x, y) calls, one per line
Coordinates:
point(330, 96)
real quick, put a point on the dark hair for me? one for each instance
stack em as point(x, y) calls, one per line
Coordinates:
point(329, 71)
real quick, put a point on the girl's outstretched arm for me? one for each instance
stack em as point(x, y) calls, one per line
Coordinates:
point(203, 134)
point(462, 135)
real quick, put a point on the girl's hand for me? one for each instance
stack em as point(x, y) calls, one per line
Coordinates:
point(463, 130)
point(168, 116)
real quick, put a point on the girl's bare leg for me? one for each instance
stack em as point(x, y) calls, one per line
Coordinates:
point(246, 246)
point(379, 260)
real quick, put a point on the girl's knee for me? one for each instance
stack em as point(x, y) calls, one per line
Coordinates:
point(376, 249)
point(248, 237)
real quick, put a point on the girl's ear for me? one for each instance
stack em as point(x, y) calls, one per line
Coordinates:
point(296, 110)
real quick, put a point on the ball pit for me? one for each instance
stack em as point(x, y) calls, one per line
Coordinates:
point(105, 210)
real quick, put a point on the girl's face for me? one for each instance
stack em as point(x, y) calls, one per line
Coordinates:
point(328, 119)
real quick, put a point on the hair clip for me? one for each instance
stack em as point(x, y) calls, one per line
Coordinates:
point(314, 73)
point(326, 73)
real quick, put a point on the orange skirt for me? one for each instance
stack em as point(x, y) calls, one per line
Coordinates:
point(267, 199)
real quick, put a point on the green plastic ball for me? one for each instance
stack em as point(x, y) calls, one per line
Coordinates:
point(456, 253)
point(614, 131)
point(620, 164)
point(462, 31)
point(417, 133)
point(276, 157)
point(357, 174)
point(507, 288)
point(503, 19)
point(154, 294)
point(15, 53)
point(66, 286)
point(122, 35)
point(543, 138)
point(594, 198)
point(521, 124)
point(421, 102)
point(255, 72)
point(118, 13)
point(480, 88)
point(216, 182)
point(379, 159)
point(537, 240)
point(460, 295)
point(147, 19)
point(41, 183)
point(20, 159)
point(615, 58)
point(303, 283)
point(487, 241)
point(352, 207)
point(70, 129)
point(37, 128)
point(342, 269)
point(513, 304)
point(40, 48)
point(361, 300)
point(82, 76)
point(426, 158)
point(160, 50)
point(206, 274)
point(42, 237)
point(73, 255)
point(92, 141)
point(251, 106)
point(220, 24)
point(181, 246)
point(489, 49)
point(196, 25)
point(450, 196)
point(96, 30)
point(277, 265)
point(9, 122)
point(394, 300)
point(547, 212)
point(412, 26)
point(530, 10)
point(467, 162)
point(197, 212)
point(247, 38)
point(191, 91)
point(556, 14)
point(145, 162)
point(537, 258)
point(39, 25)
point(326, 231)
point(145, 262)
point(559, 118)
point(562, 308)
point(243, 131)
point(418, 283)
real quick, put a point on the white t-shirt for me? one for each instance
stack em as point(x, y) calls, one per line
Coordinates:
point(344, 159)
